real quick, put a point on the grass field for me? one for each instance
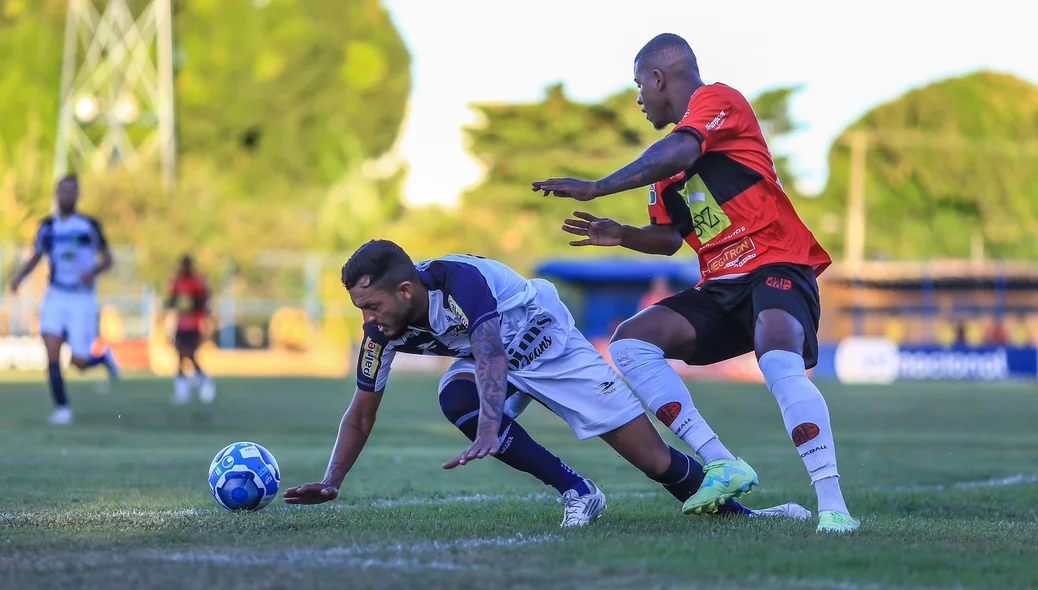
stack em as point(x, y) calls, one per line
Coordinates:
point(944, 476)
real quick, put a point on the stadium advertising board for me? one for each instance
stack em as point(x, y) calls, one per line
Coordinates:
point(878, 360)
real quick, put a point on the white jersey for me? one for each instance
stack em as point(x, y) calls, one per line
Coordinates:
point(464, 292)
point(72, 245)
point(548, 358)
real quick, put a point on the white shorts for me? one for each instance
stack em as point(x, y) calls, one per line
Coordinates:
point(73, 316)
point(567, 374)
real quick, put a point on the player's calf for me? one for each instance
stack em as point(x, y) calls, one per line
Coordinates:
point(459, 401)
point(804, 411)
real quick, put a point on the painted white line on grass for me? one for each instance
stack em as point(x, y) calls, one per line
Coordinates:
point(41, 518)
point(1001, 482)
point(355, 556)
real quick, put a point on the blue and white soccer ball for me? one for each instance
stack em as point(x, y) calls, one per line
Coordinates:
point(244, 476)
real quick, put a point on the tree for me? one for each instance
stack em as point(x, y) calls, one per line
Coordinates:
point(947, 162)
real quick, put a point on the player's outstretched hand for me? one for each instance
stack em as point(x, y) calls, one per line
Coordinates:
point(481, 447)
point(572, 188)
point(311, 493)
point(597, 231)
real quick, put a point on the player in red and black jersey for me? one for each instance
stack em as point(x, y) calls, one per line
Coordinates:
point(189, 297)
point(758, 262)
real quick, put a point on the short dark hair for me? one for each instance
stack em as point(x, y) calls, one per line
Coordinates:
point(383, 261)
point(667, 49)
point(69, 178)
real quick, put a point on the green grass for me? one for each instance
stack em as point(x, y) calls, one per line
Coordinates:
point(120, 499)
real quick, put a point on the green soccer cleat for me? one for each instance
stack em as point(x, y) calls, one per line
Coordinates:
point(832, 521)
point(723, 481)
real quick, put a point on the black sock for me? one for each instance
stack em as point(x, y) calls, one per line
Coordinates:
point(57, 385)
point(683, 478)
point(459, 401)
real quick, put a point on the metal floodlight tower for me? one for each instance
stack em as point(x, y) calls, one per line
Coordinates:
point(116, 104)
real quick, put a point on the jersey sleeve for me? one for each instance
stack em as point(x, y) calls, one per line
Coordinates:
point(468, 294)
point(373, 360)
point(99, 234)
point(44, 237)
point(712, 118)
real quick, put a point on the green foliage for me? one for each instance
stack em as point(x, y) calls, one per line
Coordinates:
point(950, 161)
point(280, 107)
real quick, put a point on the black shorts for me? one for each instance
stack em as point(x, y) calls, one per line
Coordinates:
point(724, 311)
point(189, 339)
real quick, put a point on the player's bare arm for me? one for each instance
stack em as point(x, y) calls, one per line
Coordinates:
point(106, 263)
point(25, 270)
point(491, 372)
point(665, 158)
point(354, 430)
point(664, 240)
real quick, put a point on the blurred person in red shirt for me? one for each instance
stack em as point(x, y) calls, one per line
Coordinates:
point(189, 298)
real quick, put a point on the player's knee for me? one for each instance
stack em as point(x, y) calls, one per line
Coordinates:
point(459, 398)
point(636, 328)
point(776, 329)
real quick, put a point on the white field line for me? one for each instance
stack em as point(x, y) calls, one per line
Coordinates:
point(34, 517)
point(399, 556)
point(356, 556)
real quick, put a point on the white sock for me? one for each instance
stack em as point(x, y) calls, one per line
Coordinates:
point(662, 390)
point(807, 421)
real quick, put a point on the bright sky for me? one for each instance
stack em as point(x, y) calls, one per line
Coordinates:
point(850, 56)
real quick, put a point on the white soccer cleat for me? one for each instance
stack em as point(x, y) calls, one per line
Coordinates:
point(207, 390)
point(181, 391)
point(790, 510)
point(581, 510)
point(62, 416)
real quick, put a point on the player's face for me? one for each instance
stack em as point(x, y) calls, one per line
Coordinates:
point(68, 194)
point(651, 97)
point(388, 309)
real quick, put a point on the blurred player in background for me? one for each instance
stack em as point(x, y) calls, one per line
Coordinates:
point(76, 248)
point(514, 340)
point(758, 262)
point(189, 297)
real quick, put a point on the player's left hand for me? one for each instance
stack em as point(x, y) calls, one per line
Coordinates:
point(483, 445)
point(87, 279)
point(572, 188)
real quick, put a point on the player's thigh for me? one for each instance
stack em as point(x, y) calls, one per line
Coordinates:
point(580, 387)
point(187, 342)
point(465, 370)
point(786, 311)
point(717, 334)
point(82, 327)
point(54, 313)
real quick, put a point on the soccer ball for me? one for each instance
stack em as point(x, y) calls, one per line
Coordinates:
point(244, 476)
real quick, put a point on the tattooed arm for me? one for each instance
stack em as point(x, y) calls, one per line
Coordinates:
point(673, 154)
point(491, 373)
point(354, 430)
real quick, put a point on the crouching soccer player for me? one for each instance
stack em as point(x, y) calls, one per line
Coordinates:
point(512, 336)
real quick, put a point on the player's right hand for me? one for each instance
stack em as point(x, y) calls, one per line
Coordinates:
point(597, 231)
point(311, 493)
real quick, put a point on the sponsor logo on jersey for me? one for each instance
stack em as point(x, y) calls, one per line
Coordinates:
point(456, 310)
point(717, 122)
point(652, 194)
point(531, 344)
point(607, 387)
point(735, 255)
point(371, 359)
